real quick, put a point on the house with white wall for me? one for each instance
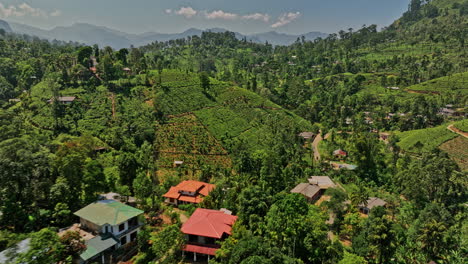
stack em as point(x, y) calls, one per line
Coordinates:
point(112, 225)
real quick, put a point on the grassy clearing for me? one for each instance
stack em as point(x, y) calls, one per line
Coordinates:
point(424, 140)
point(457, 149)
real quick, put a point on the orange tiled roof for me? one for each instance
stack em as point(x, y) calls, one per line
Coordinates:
point(172, 193)
point(200, 249)
point(199, 188)
point(190, 199)
point(190, 186)
point(209, 223)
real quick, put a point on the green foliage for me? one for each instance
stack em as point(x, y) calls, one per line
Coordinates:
point(432, 178)
point(462, 125)
point(424, 140)
point(9, 239)
point(456, 84)
point(84, 55)
point(166, 244)
point(45, 247)
point(25, 170)
point(73, 244)
point(350, 258)
point(232, 111)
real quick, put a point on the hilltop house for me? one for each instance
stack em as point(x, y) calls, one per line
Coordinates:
point(446, 111)
point(340, 153)
point(315, 188)
point(178, 163)
point(127, 70)
point(384, 136)
point(307, 135)
point(63, 99)
point(107, 225)
point(204, 229)
point(371, 203)
point(188, 192)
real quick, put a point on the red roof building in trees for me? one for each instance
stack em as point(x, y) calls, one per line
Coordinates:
point(205, 228)
point(188, 192)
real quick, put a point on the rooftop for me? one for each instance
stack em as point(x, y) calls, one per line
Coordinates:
point(108, 212)
point(190, 186)
point(340, 152)
point(306, 189)
point(64, 99)
point(209, 223)
point(373, 202)
point(200, 249)
point(97, 245)
point(324, 182)
point(306, 135)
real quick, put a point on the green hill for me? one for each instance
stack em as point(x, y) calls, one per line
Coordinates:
point(230, 113)
point(424, 140)
point(457, 83)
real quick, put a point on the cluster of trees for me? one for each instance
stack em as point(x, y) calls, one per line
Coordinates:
point(56, 158)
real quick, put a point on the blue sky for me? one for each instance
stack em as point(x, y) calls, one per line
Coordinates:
point(169, 16)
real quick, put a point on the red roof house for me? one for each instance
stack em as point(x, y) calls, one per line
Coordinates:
point(204, 228)
point(340, 152)
point(188, 192)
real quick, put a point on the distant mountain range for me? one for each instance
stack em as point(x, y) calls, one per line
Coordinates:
point(5, 26)
point(103, 36)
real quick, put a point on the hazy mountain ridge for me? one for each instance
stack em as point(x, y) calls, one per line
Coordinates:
point(103, 36)
point(5, 26)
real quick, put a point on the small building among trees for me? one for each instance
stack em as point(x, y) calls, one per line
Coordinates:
point(111, 225)
point(307, 135)
point(205, 229)
point(371, 203)
point(315, 188)
point(63, 99)
point(339, 153)
point(188, 192)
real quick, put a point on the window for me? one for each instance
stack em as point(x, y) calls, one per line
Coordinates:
point(133, 222)
point(133, 236)
point(209, 241)
point(123, 240)
point(121, 227)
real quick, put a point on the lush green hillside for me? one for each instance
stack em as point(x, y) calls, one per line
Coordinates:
point(230, 113)
point(457, 150)
point(462, 125)
point(454, 84)
point(424, 140)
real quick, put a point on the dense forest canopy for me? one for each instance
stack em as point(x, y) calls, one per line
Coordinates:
point(77, 121)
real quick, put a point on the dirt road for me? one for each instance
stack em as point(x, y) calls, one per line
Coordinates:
point(315, 144)
point(458, 131)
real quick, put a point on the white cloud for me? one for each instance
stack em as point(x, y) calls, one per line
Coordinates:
point(56, 13)
point(258, 16)
point(285, 19)
point(22, 10)
point(220, 14)
point(29, 10)
point(187, 12)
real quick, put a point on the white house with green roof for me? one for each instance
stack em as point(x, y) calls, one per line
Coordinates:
point(114, 225)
